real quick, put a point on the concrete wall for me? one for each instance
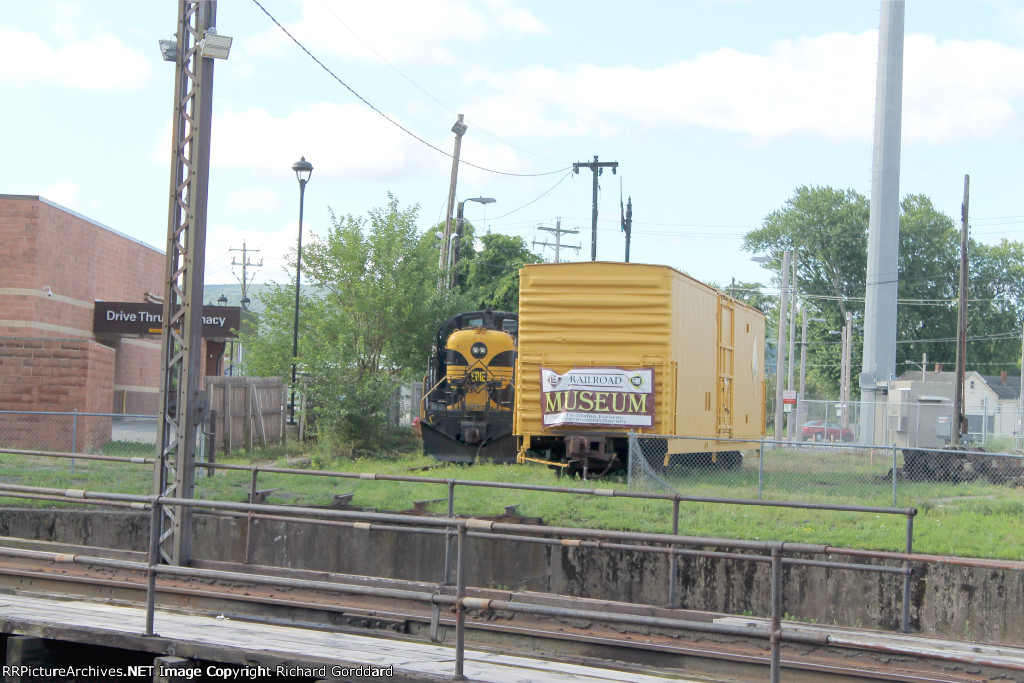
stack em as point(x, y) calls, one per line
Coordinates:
point(948, 600)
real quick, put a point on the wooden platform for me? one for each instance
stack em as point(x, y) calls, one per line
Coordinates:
point(246, 643)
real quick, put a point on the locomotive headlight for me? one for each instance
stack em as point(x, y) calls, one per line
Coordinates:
point(479, 350)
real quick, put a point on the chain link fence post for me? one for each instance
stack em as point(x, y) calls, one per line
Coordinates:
point(760, 471)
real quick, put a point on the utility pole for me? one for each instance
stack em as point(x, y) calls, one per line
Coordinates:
point(792, 342)
point(558, 232)
point(800, 408)
point(627, 225)
point(848, 368)
point(459, 129)
point(245, 264)
point(597, 167)
point(958, 426)
point(780, 348)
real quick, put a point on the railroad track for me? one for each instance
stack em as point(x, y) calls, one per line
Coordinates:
point(841, 655)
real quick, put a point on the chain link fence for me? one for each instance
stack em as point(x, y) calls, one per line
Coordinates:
point(814, 471)
point(908, 421)
point(75, 432)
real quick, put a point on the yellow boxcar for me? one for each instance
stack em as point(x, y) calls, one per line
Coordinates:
point(606, 349)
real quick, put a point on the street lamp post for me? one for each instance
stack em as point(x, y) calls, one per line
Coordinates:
point(303, 170)
point(485, 201)
point(222, 300)
point(453, 257)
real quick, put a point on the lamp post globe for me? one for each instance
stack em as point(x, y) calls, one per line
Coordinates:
point(303, 170)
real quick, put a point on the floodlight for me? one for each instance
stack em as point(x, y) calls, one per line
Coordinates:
point(169, 50)
point(213, 45)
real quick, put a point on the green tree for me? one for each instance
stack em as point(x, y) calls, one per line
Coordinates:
point(369, 310)
point(827, 231)
point(492, 277)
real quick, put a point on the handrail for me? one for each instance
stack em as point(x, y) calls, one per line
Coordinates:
point(773, 552)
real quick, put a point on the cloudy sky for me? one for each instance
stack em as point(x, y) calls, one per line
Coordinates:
point(715, 112)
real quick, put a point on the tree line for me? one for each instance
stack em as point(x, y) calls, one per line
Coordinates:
point(827, 230)
point(369, 308)
point(370, 304)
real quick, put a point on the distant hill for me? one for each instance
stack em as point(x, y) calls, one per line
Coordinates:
point(233, 292)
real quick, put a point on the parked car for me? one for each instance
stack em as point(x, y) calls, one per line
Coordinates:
point(820, 430)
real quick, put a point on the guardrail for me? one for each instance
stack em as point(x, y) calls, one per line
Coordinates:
point(774, 553)
point(674, 498)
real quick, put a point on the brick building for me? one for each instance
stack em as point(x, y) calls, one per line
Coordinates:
point(54, 264)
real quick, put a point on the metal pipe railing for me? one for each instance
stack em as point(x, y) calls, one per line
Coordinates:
point(450, 484)
point(476, 528)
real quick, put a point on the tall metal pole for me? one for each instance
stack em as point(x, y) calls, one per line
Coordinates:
point(803, 366)
point(848, 364)
point(1020, 393)
point(879, 363)
point(298, 279)
point(792, 341)
point(781, 345)
point(459, 129)
point(961, 328)
point(181, 338)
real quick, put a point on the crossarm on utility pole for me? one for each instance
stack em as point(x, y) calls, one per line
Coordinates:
point(596, 167)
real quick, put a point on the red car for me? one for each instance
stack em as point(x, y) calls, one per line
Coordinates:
point(820, 430)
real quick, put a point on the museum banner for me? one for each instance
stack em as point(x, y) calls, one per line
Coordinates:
point(600, 397)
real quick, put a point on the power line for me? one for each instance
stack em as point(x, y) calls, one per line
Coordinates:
point(424, 90)
point(385, 116)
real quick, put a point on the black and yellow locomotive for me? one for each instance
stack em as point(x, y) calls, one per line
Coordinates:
point(469, 389)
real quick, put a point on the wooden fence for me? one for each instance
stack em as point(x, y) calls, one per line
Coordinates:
point(248, 411)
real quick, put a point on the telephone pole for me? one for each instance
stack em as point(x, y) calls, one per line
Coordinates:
point(459, 129)
point(596, 167)
point(627, 223)
point(959, 421)
point(245, 264)
point(558, 232)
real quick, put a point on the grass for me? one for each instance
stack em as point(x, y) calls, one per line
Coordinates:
point(974, 519)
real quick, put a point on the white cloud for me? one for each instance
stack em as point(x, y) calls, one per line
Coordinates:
point(341, 141)
point(65, 193)
point(398, 30)
point(268, 248)
point(821, 87)
point(99, 62)
point(257, 199)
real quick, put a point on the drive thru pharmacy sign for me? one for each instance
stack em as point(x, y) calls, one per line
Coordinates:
point(601, 397)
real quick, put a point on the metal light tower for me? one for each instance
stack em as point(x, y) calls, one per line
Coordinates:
point(182, 415)
point(884, 221)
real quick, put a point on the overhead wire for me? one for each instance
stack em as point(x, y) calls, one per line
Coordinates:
point(424, 90)
point(385, 116)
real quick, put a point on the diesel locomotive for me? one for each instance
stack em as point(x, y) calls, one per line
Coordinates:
point(469, 389)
